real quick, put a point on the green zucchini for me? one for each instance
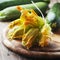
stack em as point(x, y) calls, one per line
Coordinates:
point(53, 17)
point(12, 13)
point(8, 3)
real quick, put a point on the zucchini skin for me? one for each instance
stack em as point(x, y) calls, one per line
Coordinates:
point(12, 13)
point(9, 3)
point(53, 17)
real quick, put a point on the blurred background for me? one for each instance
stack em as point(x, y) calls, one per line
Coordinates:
point(9, 13)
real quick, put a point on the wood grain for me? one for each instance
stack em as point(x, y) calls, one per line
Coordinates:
point(52, 50)
point(6, 54)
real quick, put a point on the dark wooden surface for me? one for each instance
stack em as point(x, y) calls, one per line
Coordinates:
point(6, 54)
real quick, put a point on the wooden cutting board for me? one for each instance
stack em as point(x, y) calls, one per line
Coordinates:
point(53, 50)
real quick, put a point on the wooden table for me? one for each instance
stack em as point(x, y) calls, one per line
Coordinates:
point(6, 54)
